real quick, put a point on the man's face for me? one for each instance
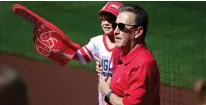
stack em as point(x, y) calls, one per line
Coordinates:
point(106, 24)
point(125, 34)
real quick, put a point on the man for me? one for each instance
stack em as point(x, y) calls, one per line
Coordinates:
point(136, 79)
point(12, 89)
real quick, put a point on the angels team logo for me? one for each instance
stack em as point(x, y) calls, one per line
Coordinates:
point(44, 41)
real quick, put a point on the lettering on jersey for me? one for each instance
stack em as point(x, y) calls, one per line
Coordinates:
point(106, 67)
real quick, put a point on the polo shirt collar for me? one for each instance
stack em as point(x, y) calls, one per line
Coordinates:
point(132, 54)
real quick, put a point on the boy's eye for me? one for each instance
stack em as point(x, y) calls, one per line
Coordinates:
point(102, 19)
point(107, 19)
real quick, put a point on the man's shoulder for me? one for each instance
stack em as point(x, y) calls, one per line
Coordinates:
point(146, 57)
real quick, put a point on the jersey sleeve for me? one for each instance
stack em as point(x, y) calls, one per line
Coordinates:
point(86, 53)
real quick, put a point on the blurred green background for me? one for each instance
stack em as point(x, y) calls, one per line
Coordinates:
point(176, 33)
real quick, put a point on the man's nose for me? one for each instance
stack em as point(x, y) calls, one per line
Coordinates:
point(116, 31)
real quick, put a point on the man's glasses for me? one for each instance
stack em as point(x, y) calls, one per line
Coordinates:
point(121, 26)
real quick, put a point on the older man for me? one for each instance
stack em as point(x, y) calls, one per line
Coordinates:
point(136, 79)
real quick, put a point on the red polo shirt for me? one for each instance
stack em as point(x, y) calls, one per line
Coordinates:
point(136, 79)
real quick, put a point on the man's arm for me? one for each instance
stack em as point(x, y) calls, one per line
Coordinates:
point(104, 87)
point(115, 100)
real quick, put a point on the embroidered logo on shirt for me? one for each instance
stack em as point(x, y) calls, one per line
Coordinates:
point(118, 80)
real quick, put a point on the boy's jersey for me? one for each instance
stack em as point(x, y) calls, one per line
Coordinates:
point(97, 50)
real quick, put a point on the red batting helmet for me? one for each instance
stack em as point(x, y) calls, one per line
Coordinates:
point(112, 7)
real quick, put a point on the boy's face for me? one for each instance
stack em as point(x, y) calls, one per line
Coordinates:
point(107, 21)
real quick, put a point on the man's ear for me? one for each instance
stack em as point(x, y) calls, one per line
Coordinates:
point(139, 31)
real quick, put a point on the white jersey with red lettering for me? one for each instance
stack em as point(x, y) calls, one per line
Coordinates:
point(97, 50)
